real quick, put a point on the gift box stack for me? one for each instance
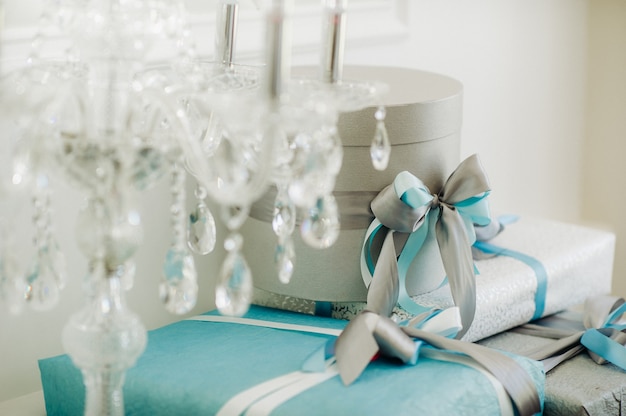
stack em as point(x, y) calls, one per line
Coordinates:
point(410, 235)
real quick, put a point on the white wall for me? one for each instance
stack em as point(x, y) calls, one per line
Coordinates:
point(523, 64)
point(604, 190)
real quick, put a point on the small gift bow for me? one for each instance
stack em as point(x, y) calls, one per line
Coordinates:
point(372, 332)
point(405, 208)
point(604, 337)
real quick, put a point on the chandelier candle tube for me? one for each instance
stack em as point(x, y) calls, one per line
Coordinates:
point(226, 30)
point(278, 49)
point(333, 40)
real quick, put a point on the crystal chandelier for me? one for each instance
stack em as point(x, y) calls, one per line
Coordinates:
point(112, 124)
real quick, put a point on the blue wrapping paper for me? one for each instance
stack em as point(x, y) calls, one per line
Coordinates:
point(194, 367)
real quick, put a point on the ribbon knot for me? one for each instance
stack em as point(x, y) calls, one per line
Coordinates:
point(436, 202)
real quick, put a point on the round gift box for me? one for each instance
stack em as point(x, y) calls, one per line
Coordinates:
point(424, 114)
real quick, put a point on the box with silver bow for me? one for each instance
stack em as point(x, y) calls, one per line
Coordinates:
point(423, 119)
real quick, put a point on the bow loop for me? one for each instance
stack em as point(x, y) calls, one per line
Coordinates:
point(602, 311)
point(397, 215)
point(382, 295)
point(364, 337)
point(356, 346)
point(467, 181)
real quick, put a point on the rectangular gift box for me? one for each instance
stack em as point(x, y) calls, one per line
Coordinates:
point(197, 367)
point(577, 386)
point(577, 260)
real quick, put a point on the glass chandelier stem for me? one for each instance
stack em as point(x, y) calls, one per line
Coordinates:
point(104, 393)
point(104, 339)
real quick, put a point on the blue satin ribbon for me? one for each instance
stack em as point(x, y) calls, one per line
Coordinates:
point(536, 265)
point(324, 309)
point(599, 341)
point(601, 344)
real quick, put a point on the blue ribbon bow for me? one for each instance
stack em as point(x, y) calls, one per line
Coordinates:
point(604, 336)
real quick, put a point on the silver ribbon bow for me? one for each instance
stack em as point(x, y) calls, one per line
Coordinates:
point(461, 203)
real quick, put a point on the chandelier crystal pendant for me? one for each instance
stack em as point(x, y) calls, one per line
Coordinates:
point(88, 120)
point(112, 125)
point(305, 175)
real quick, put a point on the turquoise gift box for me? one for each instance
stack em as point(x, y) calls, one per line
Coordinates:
point(202, 367)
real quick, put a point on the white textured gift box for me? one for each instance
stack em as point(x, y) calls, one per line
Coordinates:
point(578, 261)
point(424, 112)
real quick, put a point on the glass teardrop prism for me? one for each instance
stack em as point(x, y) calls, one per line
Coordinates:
point(284, 220)
point(335, 153)
point(126, 273)
point(233, 293)
point(179, 287)
point(201, 234)
point(42, 292)
point(284, 257)
point(23, 171)
point(320, 228)
point(57, 263)
point(380, 150)
point(12, 285)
